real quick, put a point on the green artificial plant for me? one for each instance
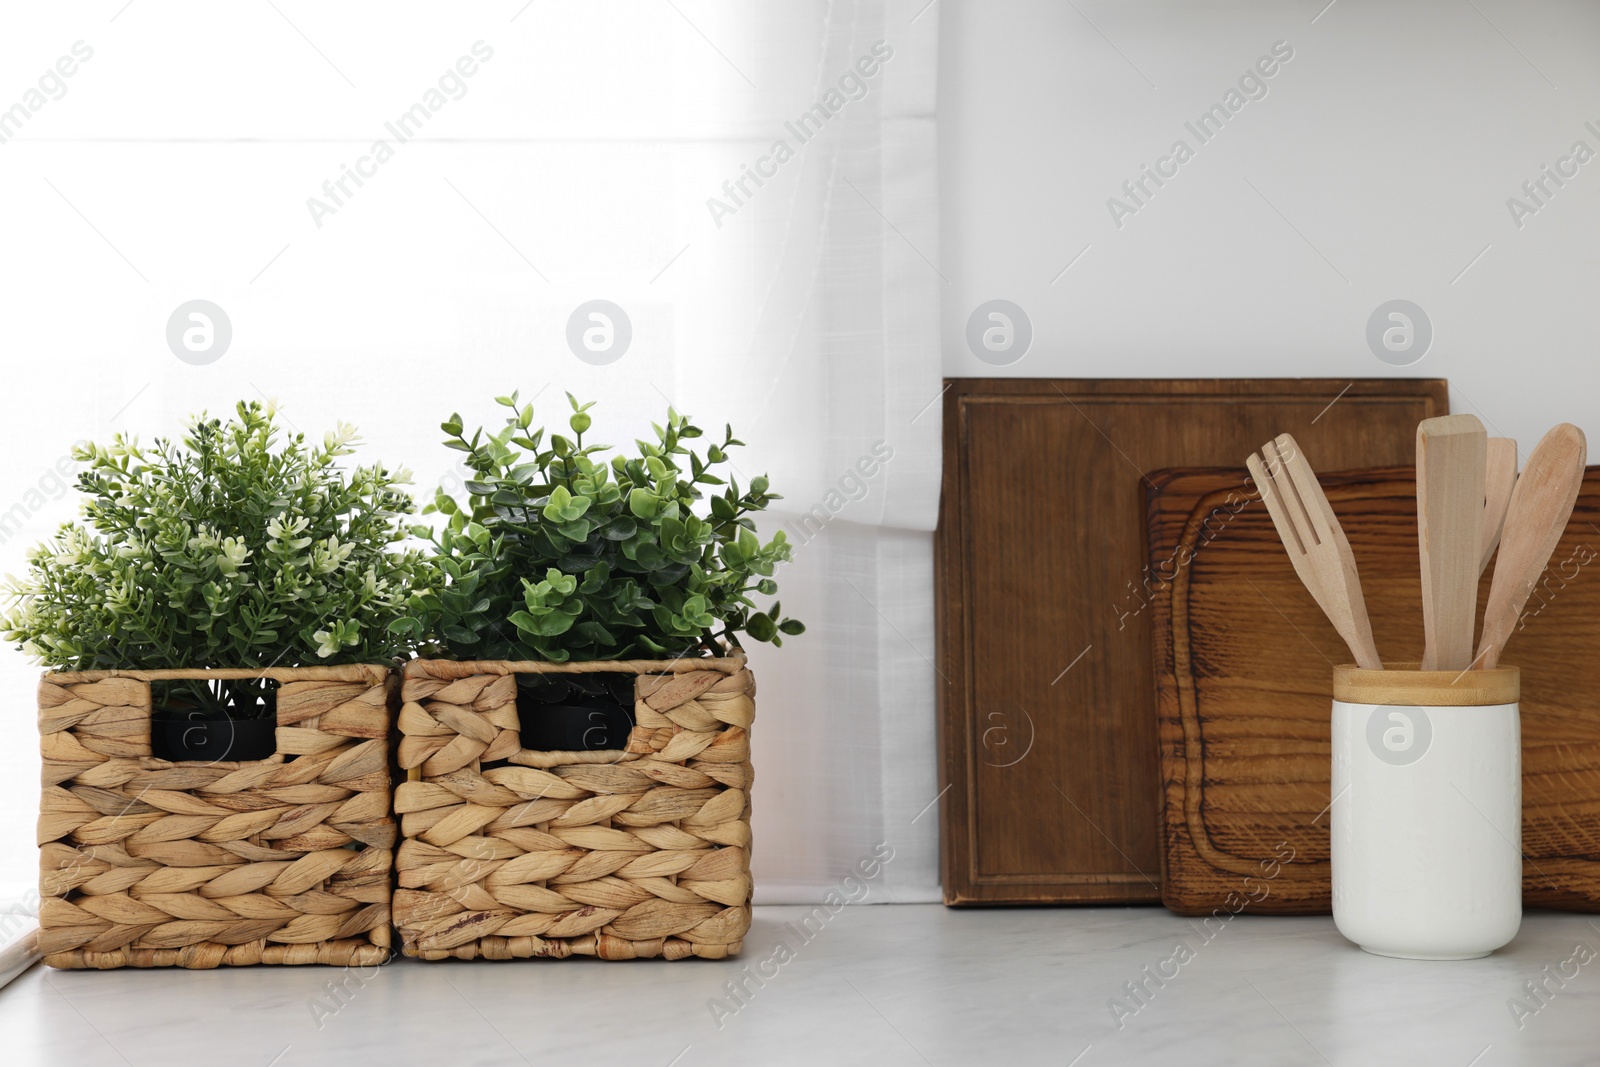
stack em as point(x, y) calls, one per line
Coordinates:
point(560, 554)
point(229, 548)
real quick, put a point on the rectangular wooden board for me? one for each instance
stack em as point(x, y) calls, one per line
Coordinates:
point(1244, 661)
point(1047, 729)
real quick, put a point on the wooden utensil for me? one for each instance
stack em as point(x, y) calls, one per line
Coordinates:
point(1316, 544)
point(1541, 503)
point(1499, 476)
point(1451, 455)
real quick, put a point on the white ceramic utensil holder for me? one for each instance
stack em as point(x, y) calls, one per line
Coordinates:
point(1427, 810)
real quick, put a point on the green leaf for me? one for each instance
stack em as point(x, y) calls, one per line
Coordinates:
point(559, 500)
point(643, 503)
point(459, 634)
point(597, 633)
point(555, 624)
point(761, 627)
point(578, 530)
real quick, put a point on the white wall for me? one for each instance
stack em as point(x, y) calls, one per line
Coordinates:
point(1391, 142)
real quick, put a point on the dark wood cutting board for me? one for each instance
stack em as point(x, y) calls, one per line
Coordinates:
point(1243, 673)
point(1048, 741)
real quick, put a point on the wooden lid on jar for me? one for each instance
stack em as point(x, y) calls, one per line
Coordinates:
point(1404, 685)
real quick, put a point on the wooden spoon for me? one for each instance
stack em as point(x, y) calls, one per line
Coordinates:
point(1315, 542)
point(1452, 452)
point(1500, 474)
point(1541, 504)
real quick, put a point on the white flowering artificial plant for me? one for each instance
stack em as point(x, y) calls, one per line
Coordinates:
point(227, 549)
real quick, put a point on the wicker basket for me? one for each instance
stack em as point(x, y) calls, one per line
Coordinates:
point(151, 863)
point(509, 853)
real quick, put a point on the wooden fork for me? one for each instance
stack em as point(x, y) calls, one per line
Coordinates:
point(1315, 542)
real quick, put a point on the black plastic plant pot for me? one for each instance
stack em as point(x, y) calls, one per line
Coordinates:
point(575, 713)
point(569, 728)
point(186, 735)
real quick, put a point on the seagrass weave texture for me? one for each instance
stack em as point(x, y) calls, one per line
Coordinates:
point(641, 852)
point(151, 863)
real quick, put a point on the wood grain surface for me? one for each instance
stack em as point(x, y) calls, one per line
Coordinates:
point(1047, 727)
point(1244, 660)
point(1452, 463)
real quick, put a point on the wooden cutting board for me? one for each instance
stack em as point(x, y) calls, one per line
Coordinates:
point(1243, 663)
point(1050, 788)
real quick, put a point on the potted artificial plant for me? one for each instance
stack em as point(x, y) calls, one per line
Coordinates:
point(559, 557)
point(589, 702)
point(218, 625)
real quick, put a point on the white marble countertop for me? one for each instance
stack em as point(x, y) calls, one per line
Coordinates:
point(884, 984)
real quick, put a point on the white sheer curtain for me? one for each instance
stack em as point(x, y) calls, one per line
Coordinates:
point(577, 164)
point(839, 374)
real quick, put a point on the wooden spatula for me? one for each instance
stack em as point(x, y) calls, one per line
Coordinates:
point(1541, 504)
point(1315, 542)
point(1452, 451)
point(1499, 475)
